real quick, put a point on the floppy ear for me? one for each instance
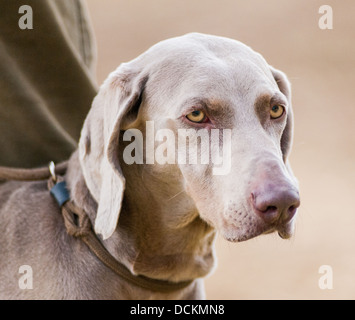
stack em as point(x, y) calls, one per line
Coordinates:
point(287, 135)
point(119, 96)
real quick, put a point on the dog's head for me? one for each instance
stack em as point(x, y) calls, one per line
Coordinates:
point(223, 118)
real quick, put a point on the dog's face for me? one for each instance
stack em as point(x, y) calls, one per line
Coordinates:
point(222, 119)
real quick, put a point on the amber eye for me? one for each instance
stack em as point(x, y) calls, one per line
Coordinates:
point(196, 116)
point(276, 111)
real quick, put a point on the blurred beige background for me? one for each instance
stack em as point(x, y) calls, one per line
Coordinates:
point(321, 67)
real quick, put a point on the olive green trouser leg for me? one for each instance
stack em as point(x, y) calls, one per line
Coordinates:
point(47, 80)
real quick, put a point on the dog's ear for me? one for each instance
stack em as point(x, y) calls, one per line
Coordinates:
point(118, 99)
point(287, 135)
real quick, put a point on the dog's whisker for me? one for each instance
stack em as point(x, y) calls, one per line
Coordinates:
point(174, 196)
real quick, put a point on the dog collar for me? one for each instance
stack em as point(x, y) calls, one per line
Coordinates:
point(78, 225)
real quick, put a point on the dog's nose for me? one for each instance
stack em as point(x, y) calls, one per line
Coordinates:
point(276, 203)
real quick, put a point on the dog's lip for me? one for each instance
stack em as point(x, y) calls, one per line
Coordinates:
point(283, 234)
point(284, 230)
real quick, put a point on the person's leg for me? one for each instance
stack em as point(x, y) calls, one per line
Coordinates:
point(47, 79)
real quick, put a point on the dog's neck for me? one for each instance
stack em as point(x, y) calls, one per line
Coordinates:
point(159, 235)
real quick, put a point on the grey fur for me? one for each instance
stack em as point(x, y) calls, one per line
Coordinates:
point(158, 220)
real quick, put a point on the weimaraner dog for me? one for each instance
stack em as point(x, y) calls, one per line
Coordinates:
point(159, 218)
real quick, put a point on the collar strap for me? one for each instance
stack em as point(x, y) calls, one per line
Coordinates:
point(79, 226)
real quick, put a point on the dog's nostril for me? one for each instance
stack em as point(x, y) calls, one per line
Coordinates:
point(291, 212)
point(270, 214)
point(271, 208)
